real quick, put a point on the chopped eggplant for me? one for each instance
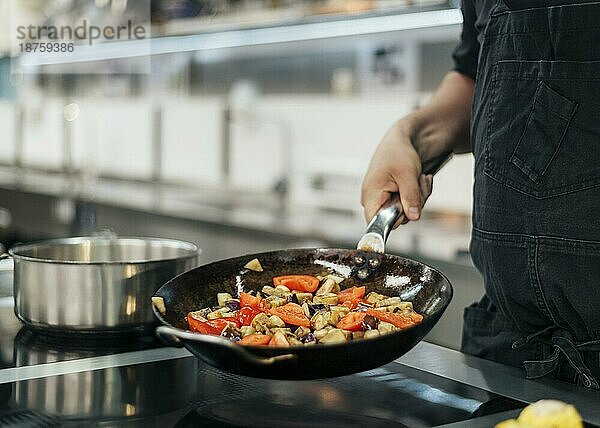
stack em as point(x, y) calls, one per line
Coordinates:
point(308, 339)
point(303, 297)
point(276, 301)
point(320, 334)
point(275, 321)
point(334, 336)
point(386, 327)
point(327, 298)
point(336, 278)
point(268, 290)
point(231, 333)
point(343, 310)
point(369, 322)
point(281, 291)
point(293, 298)
point(247, 330)
point(254, 265)
point(294, 341)
point(302, 331)
point(388, 302)
point(233, 305)
point(159, 304)
point(374, 297)
point(358, 335)
point(318, 321)
point(222, 298)
point(371, 333)
point(329, 286)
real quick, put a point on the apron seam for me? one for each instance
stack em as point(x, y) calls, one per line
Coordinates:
point(537, 284)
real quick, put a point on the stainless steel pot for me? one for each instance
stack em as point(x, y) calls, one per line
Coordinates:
point(95, 284)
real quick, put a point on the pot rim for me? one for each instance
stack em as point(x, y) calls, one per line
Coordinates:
point(193, 249)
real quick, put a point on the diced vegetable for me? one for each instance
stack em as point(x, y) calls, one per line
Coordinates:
point(369, 322)
point(247, 299)
point(329, 286)
point(233, 305)
point(159, 304)
point(334, 336)
point(279, 339)
point(352, 322)
point(246, 315)
point(255, 340)
point(222, 298)
point(254, 265)
point(396, 319)
point(291, 313)
point(305, 283)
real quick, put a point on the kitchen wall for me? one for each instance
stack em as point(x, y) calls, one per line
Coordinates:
point(331, 139)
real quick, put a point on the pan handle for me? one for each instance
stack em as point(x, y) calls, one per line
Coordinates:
point(381, 225)
point(176, 337)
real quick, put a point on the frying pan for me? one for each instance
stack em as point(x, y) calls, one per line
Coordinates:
point(428, 289)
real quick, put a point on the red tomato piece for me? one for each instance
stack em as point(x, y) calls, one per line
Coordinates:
point(291, 313)
point(255, 340)
point(249, 300)
point(246, 315)
point(201, 326)
point(352, 321)
point(351, 294)
point(399, 320)
point(305, 283)
point(221, 323)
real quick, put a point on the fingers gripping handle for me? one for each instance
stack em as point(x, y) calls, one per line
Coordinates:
point(381, 225)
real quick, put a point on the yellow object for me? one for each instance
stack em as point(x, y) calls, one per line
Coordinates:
point(546, 414)
point(254, 265)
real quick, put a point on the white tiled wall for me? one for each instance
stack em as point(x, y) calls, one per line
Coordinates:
point(333, 135)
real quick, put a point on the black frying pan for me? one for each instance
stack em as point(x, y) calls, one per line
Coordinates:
point(428, 290)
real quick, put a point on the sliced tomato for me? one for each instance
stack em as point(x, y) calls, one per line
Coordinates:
point(352, 321)
point(255, 340)
point(201, 326)
point(305, 283)
point(223, 322)
point(279, 340)
point(399, 320)
point(352, 293)
point(246, 315)
point(250, 300)
point(291, 313)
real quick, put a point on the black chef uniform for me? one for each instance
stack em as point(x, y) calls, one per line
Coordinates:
point(535, 136)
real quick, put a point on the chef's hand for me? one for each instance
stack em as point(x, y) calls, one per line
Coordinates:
point(396, 168)
point(441, 126)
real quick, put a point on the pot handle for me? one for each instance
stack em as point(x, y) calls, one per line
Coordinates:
point(381, 225)
point(177, 337)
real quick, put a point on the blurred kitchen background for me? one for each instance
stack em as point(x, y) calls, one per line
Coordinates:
point(246, 126)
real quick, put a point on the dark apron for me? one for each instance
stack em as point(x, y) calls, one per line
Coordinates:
point(536, 232)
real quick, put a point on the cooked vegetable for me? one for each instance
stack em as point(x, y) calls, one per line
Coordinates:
point(159, 304)
point(352, 322)
point(396, 319)
point(291, 313)
point(302, 310)
point(254, 265)
point(255, 339)
point(305, 283)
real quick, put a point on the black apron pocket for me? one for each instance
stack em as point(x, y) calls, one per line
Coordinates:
point(543, 134)
point(545, 130)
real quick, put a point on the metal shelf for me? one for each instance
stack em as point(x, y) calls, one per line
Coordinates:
point(293, 33)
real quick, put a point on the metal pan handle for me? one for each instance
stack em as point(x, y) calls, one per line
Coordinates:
point(381, 225)
point(176, 337)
